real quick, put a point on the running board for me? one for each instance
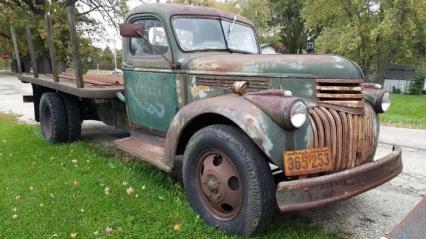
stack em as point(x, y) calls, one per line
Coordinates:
point(145, 147)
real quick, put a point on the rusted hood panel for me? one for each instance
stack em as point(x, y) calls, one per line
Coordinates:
point(306, 66)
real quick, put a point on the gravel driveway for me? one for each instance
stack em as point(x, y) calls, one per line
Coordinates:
point(369, 215)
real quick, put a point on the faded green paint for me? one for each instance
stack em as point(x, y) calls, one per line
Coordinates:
point(174, 88)
point(265, 133)
point(282, 66)
point(151, 99)
point(300, 87)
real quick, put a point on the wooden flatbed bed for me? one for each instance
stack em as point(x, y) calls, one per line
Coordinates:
point(95, 86)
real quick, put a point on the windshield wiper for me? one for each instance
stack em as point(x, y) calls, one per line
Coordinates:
point(231, 26)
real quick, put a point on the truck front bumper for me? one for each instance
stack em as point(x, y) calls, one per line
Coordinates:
point(313, 192)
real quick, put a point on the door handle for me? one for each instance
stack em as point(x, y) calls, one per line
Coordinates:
point(126, 65)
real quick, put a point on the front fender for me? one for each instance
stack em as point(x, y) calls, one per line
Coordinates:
point(265, 133)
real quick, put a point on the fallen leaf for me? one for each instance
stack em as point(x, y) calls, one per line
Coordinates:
point(76, 183)
point(18, 198)
point(177, 227)
point(108, 229)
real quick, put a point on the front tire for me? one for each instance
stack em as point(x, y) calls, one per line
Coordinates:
point(228, 181)
point(53, 118)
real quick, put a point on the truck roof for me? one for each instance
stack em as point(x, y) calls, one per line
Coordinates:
point(168, 10)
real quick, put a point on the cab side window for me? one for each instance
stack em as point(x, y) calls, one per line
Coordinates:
point(155, 33)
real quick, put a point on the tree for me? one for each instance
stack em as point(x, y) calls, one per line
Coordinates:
point(107, 61)
point(258, 11)
point(286, 16)
point(374, 33)
point(88, 23)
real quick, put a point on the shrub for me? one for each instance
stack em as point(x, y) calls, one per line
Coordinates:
point(416, 88)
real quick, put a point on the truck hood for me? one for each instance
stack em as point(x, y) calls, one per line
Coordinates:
point(306, 66)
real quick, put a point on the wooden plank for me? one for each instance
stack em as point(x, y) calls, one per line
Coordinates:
point(75, 48)
point(15, 46)
point(69, 87)
point(31, 49)
point(52, 50)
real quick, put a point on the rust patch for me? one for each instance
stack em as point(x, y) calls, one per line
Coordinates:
point(313, 192)
point(342, 95)
point(350, 137)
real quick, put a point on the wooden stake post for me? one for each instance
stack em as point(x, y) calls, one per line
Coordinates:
point(52, 49)
point(15, 45)
point(75, 44)
point(31, 49)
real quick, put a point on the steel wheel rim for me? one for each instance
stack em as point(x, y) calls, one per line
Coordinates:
point(219, 185)
point(47, 122)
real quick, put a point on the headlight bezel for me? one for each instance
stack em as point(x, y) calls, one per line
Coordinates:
point(290, 122)
point(378, 104)
point(375, 97)
point(385, 95)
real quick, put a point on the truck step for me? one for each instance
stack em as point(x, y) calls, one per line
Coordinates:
point(145, 147)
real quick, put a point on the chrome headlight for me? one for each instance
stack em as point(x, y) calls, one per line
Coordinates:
point(385, 101)
point(298, 113)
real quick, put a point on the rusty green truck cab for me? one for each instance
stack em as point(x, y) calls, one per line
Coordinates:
point(174, 88)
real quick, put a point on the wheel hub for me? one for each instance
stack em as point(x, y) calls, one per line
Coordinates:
point(219, 185)
point(212, 187)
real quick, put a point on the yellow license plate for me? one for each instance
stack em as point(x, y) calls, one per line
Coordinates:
point(300, 162)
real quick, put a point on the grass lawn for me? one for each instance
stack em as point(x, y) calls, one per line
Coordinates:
point(406, 111)
point(83, 191)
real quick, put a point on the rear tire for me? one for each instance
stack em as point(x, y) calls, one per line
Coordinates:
point(53, 118)
point(220, 165)
point(72, 108)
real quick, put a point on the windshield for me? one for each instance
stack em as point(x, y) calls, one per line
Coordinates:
point(194, 34)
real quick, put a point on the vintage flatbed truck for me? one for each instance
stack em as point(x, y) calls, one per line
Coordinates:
point(254, 131)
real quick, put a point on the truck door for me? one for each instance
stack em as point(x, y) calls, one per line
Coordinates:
point(150, 84)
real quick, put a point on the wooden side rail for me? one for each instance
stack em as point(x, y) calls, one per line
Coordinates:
point(75, 44)
point(15, 46)
point(31, 49)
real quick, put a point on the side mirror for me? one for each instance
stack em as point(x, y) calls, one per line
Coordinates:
point(131, 30)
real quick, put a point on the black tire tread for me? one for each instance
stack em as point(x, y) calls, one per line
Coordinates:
point(58, 117)
point(261, 204)
point(72, 108)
